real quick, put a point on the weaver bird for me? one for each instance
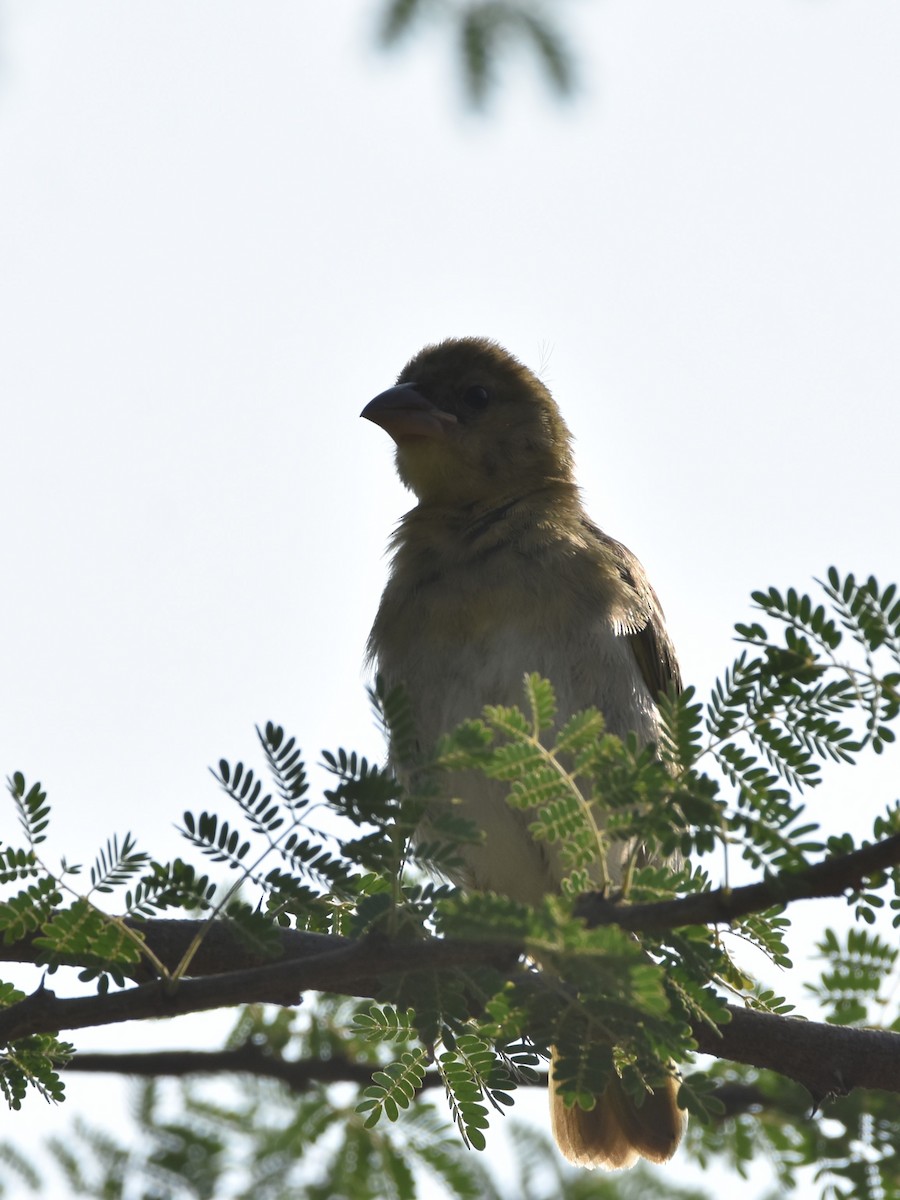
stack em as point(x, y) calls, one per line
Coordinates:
point(497, 572)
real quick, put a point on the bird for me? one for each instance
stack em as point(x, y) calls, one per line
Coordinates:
point(497, 572)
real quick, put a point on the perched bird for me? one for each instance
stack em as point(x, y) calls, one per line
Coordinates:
point(496, 572)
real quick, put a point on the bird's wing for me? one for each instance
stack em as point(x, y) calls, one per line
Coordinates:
point(644, 625)
point(656, 656)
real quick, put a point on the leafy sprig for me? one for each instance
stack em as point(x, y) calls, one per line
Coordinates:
point(632, 821)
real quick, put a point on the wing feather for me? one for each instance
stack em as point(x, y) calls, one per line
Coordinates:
point(643, 622)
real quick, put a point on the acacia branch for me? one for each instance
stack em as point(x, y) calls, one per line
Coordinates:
point(831, 877)
point(302, 1074)
point(298, 1074)
point(221, 951)
point(828, 1060)
point(315, 962)
point(227, 972)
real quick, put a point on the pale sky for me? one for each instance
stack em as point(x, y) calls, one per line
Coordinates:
point(225, 226)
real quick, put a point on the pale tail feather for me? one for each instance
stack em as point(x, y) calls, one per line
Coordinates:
point(615, 1132)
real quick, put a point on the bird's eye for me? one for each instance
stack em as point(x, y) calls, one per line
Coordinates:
point(476, 397)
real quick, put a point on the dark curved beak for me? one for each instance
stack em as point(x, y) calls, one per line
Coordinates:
point(403, 412)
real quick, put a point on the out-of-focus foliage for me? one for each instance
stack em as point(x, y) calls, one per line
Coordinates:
point(484, 33)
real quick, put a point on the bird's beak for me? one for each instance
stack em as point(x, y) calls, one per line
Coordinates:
point(404, 413)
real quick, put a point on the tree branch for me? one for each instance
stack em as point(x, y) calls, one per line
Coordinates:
point(302, 1074)
point(221, 951)
point(226, 971)
point(316, 963)
point(828, 1060)
point(249, 1059)
point(830, 877)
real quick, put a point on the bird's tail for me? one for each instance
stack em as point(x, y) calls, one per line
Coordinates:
point(615, 1132)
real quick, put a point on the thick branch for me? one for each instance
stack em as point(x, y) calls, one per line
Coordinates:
point(319, 963)
point(826, 1059)
point(302, 1074)
point(829, 1060)
point(226, 972)
point(221, 951)
point(831, 877)
point(249, 1059)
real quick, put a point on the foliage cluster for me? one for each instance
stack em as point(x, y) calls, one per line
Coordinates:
point(483, 31)
point(729, 776)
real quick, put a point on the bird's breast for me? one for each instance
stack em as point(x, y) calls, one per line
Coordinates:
point(459, 636)
point(461, 630)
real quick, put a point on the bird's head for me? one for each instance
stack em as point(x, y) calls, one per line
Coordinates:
point(472, 425)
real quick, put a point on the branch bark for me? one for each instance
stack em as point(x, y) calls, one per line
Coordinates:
point(220, 951)
point(828, 1060)
point(831, 877)
point(249, 1059)
point(302, 1074)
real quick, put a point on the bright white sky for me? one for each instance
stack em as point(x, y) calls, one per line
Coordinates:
point(225, 226)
